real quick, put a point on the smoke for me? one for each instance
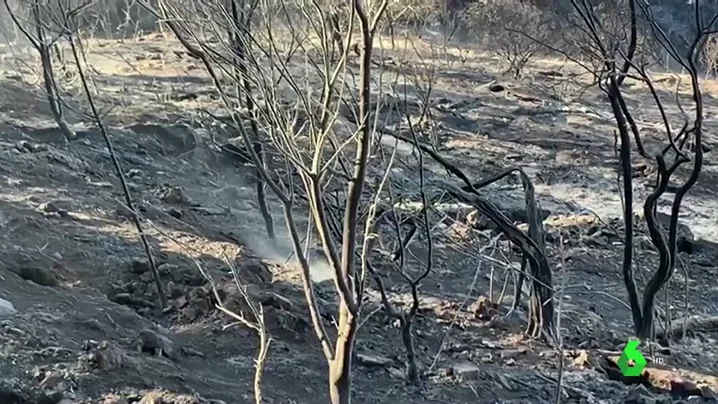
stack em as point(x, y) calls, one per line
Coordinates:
point(283, 252)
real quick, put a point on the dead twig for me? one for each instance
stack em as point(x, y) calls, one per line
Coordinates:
point(69, 26)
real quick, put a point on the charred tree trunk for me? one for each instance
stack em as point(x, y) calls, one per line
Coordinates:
point(242, 20)
point(340, 368)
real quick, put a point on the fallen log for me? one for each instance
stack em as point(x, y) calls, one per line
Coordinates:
point(678, 382)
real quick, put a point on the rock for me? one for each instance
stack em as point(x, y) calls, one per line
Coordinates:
point(171, 309)
point(396, 373)
point(639, 395)
point(594, 241)
point(268, 299)
point(38, 274)
point(279, 301)
point(114, 399)
point(139, 293)
point(260, 271)
point(147, 277)
point(104, 184)
point(504, 382)
point(51, 380)
point(75, 164)
point(374, 360)
point(173, 290)
point(465, 369)
point(152, 342)
point(685, 388)
point(135, 174)
point(699, 246)
point(166, 269)
point(192, 279)
point(6, 308)
point(483, 308)
point(12, 392)
point(89, 344)
point(685, 239)
point(140, 266)
point(582, 359)
point(496, 87)
point(709, 394)
point(519, 214)
point(121, 298)
point(209, 211)
point(107, 356)
point(189, 351)
point(294, 322)
point(50, 207)
point(175, 213)
point(131, 287)
point(23, 146)
point(56, 352)
point(92, 324)
point(238, 152)
point(124, 212)
point(151, 290)
point(146, 302)
point(175, 196)
point(48, 397)
point(512, 353)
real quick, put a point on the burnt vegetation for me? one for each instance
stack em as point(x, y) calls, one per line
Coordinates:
point(336, 115)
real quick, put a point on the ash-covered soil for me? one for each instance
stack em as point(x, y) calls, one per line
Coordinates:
point(76, 289)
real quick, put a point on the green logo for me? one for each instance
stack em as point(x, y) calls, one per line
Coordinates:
point(631, 353)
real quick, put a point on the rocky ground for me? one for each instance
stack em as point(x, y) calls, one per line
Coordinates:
point(77, 293)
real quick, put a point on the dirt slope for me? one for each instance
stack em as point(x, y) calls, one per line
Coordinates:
point(72, 266)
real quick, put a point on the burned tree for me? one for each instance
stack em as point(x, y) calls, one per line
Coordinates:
point(240, 32)
point(311, 149)
point(610, 35)
point(48, 29)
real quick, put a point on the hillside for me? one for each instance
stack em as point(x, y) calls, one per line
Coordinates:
point(77, 289)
